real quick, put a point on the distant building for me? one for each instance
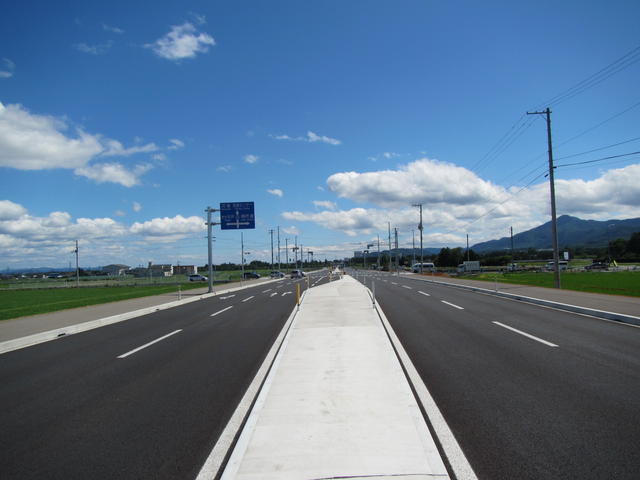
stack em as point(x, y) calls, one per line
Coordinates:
point(185, 270)
point(161, 270)
point(116, 269)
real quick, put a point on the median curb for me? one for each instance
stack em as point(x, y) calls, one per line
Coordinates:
point(36, 338)
point(616, 317)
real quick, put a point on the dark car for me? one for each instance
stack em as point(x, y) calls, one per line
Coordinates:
point(276, 275)
point(251, 275)
point(597, 266)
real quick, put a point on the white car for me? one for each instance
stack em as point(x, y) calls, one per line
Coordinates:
point(197, 278)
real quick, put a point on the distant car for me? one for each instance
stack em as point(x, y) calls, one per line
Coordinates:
point(251, 275)
point(276, 275)
point(197, 278)
point(297, 274)
point(597, 266)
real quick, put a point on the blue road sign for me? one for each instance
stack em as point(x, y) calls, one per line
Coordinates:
point(237, 215)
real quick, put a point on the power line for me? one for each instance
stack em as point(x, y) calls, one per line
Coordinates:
point(598, 149)
point(600, 76)
point(598, 159)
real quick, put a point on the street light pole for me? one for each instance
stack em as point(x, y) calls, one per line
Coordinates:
point(420, 227)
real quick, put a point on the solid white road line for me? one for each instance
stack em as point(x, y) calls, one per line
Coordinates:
point(453, 305)
point(406, 286)
point(423, 293)
point(267, 290)
point(248, 298)
point(532, 337)
point(273, 294)
point(223, 310)
point(124, 355)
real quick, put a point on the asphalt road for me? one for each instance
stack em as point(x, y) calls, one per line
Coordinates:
point(529, 392)
point(96, 405)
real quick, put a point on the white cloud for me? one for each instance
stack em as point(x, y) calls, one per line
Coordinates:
point(291, 230)
point(136, 207)
point(174, 227)
point(112, 29)
point(224, 168)
point(183, 41)
point(276, 191)
point(176, 144)
point(160, 157)
point(98, 49)
point(120, 213)
point(37, 142)
point(325, 204)
point(115, 148)
point(251, 159)
point(456, 200)
point(113, 172)
point(10, 210)
point(7, 69)
point(428, 181)
point(310, 138)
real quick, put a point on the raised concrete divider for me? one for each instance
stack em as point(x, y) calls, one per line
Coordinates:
point(336, 402)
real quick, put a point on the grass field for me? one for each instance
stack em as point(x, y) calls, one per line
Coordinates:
point(19, 303)
point(614, 283)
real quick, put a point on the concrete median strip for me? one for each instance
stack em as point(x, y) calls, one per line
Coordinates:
point(336, 403)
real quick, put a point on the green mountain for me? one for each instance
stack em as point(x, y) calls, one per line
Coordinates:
point(572, 232)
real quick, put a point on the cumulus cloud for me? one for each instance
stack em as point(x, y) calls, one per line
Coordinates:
point(224, 168)
point(310, 138)
point(10, 210)
point(276, 191)
point(113, 172)
point(173, 227)
point(183, 41)
point(35, 142)
point(7, 68)
point(251, 159)
point(428, 181)
point(291, 230)
point(98, 49)
point(136, 207)
point(30, 141)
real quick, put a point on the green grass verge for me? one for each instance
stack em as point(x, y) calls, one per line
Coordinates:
point(614, 283)
point(20, 303)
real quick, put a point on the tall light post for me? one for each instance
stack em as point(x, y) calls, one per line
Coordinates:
point(420, 227)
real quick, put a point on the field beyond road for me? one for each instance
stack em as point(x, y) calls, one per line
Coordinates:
point(20, 303)
point(613, 283)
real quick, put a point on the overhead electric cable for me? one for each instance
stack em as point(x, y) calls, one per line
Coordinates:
point(598, 149)
point(598, 159)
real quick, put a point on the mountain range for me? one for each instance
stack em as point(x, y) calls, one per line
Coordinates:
point(572, 232)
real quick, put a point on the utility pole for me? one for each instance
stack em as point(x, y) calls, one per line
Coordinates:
point(279, 248)
point(512, 255)
point(390, 257)
point(413, 248)
point(242, 250)
point(552, 191)
point(210, 224)
point(468, 259)
point(395, 230)
point(420, 227)
point(271, 233)
point(286, 252)
point(378, 251)
point(77, 268)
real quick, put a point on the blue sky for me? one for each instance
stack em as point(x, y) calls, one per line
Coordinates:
point(120, 123)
